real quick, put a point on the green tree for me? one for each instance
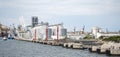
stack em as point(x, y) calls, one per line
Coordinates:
point(112, 38)
point(88, 36)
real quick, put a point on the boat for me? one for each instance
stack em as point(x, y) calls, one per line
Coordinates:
point(4, 38)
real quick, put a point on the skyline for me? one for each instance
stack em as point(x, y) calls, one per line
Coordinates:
point(72, 13)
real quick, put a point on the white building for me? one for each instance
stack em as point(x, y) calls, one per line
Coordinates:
point(107, 34)
point(97, 33)
point(58, 31)
point(39, 32)
point(44, 31)
point(95, 30)
point(77, 35)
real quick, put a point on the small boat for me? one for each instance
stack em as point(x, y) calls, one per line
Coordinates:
point(10, 36)
point(4, 38)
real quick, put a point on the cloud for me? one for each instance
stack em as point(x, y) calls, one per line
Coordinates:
point(65, 7)
point(49, 9)
point(88, 12)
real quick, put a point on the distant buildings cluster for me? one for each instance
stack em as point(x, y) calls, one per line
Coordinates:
point(45, 31)
point(3, 30)
point(97, 33)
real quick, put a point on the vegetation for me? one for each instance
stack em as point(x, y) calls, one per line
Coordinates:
point(88, 36)
point(103, 37)
point(112, 38)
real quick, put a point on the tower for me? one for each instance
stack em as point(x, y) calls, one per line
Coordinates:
point(34, 21)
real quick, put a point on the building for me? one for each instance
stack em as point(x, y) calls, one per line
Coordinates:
point(34, 21)
point(97, 33)
point(58, 31)
point(4, 30)
point(44, 31)
point(76, 35)
point(95, 30)
point(107, 34)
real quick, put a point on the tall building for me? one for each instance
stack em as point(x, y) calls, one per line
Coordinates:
point(34, 21)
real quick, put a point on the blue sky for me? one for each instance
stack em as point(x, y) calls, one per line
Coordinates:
point(73, 13)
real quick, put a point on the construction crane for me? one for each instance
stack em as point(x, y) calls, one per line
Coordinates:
point(83, 29)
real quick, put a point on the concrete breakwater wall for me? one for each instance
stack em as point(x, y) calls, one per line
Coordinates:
point(102, 49)
point(114, 49)
point(108, 49)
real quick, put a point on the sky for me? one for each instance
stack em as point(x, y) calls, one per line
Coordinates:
point(72, 13)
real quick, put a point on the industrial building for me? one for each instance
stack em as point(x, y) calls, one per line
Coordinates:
point(43, 31)
point(97, 33)
point(95, 30)
point(107, 34)
point(76, 35)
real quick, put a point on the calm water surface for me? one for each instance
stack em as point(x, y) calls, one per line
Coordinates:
point(15, 48)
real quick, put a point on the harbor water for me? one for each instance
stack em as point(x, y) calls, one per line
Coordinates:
point(15, 48)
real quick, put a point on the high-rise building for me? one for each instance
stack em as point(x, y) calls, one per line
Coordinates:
point(34, 21)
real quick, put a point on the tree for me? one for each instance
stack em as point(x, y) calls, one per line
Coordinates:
point(112, 38)
point(88, 36)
